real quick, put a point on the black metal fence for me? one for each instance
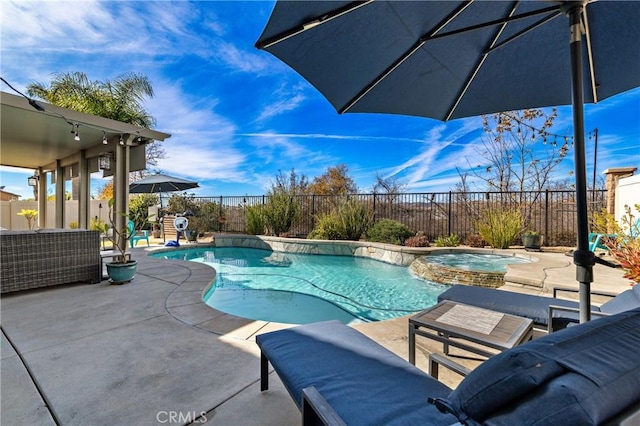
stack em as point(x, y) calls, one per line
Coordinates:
point(551, 213)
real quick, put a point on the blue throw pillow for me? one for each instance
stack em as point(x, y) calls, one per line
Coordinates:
point(501, 379)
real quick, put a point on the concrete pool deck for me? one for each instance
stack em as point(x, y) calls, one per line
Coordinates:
point(150, 352)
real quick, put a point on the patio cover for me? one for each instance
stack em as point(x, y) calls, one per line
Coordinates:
point(44, 141)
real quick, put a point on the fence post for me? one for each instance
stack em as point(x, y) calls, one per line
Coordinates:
point(546, 216)
point(374, 207)
point(449, 209)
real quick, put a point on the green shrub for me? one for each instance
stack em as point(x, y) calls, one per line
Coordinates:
point(139, 210)
point(329, 226)
point(208, 213)
point(281, 213)
point(180, 203)
point(255, 220)
point(603, 222)
point(418, 240)
point(499, 227)
point(389, 231)
point(356, 218)
point(448, 241)
point(74, 225)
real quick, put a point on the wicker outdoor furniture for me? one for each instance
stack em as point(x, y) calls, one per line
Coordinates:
point(33, 259)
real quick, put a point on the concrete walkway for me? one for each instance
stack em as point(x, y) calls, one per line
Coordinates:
point(150, 352)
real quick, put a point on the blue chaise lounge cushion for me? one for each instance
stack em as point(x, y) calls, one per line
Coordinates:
point(626, 300)
point(508, 302)
point(346, 364)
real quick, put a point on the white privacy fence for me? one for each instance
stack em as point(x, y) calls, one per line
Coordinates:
point(9, 210)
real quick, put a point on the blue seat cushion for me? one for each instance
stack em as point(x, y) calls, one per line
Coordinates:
point(364, 382)
point(523, 305)
point(591, 370)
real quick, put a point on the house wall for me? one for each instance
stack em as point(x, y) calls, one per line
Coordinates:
point(8, 196)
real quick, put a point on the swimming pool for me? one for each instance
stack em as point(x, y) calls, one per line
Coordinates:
point(301, 288)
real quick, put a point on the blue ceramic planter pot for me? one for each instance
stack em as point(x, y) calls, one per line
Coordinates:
point(121, 273)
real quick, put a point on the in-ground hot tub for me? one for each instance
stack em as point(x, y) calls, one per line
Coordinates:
point(482, 269)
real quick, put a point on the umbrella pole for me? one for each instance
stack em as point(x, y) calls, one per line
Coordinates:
point(583, 258)
point(163, 236)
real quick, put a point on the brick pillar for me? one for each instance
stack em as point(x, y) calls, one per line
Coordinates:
point(611, 183)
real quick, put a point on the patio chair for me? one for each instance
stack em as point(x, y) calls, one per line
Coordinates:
point(137, 235)
point(587, 374)
point(552, 313)
point(596, 241)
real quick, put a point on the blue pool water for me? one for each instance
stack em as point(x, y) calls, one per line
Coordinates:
point(299, 288)
point(476, 261)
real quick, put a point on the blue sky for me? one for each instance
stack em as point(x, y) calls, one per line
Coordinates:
point(238, 115)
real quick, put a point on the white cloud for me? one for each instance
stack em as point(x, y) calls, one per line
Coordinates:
point(284, 98)
point(280, 106)
point(139, 30)
point(202, 142)
point(204, 161)
point(354, 138)
point(441, 184)
point(443, 148)
point(240, 60)
point(281, 151)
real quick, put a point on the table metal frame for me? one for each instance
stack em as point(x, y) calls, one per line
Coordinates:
point(510, 331)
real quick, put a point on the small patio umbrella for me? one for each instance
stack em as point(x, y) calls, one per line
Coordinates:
point(159, 183)
point(452, 59)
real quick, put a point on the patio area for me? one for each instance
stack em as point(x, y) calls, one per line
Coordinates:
point(150, 352)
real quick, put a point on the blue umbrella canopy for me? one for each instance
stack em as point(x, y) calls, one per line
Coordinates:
point(453, 59)
point(160, 183)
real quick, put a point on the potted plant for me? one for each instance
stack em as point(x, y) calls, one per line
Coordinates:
point(122, 268)
point(155, 232)
point(531, 240)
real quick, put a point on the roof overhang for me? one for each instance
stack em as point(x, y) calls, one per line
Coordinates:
point(37, 139)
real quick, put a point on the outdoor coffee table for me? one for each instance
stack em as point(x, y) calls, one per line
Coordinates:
point(454, 323)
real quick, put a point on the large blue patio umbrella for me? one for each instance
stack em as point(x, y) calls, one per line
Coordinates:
point(453, 59)
point(159, 183)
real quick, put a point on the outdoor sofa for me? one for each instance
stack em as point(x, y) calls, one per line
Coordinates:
point(540, 309)
point(48, 257)
point(587, 374)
